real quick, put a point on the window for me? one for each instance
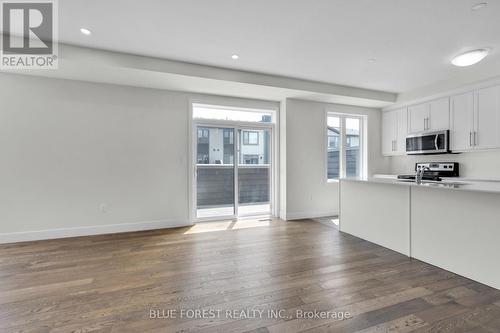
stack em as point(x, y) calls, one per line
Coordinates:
point(333, 139)
point(228, 136)
point(344, 146)
point(203, 134)
point(250, 138)
point(213, 112)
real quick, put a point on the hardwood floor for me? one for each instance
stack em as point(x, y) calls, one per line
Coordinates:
point(111, 283)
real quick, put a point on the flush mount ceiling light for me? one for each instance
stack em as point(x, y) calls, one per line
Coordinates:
point(85, 31)
point(479, 5)
point(469, 58)
point(235, 57)
point(372, 60)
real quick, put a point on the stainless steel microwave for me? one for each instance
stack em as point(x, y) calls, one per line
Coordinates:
point(428, 143)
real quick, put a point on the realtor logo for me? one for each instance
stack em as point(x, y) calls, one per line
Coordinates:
point(29, 34)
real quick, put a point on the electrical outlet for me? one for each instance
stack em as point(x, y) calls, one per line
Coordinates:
point(103, 208)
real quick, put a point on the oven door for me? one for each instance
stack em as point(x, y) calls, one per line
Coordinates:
point(427, 143)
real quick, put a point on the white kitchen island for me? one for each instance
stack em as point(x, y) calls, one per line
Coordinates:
point(455, 227)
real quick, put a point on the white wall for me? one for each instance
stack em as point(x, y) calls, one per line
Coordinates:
point(82, 158)
point(308, 192)
point(68, 147)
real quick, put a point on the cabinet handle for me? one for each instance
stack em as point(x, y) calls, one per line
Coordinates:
point(470, 139)
point(475, 138)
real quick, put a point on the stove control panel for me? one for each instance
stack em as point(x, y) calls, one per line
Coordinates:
point(444, 169)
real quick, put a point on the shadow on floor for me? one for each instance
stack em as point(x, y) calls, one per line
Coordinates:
point(330, 221)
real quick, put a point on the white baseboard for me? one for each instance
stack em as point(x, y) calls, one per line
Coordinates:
point(309, 215)
point(25, 236)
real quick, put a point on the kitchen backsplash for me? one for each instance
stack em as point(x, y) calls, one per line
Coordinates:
point(479, 165)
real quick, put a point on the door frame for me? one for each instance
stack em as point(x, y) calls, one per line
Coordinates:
point(236, 125)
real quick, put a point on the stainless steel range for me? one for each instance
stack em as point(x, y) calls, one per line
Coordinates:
point(433, 171)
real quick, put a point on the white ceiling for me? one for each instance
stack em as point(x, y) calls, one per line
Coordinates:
point(322, 40)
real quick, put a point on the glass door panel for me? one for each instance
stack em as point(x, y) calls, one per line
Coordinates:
point(352, 145)
point(215, 172)
point(334, 138)
point(254, 171)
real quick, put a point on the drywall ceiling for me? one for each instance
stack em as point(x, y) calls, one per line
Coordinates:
point(322, 40)
point(93, 65)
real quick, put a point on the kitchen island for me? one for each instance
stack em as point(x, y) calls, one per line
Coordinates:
point(452, 225)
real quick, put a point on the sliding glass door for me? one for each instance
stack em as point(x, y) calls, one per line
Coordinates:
point(215, 171)
point(233, 174)
point(254, 171)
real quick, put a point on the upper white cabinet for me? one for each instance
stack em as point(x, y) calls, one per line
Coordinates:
point(472, 117)
point(394, 131)
point(487, 118)
point(462, 122)
point(475, 120)
point(402, 131)
point(389, 124)
point(418, 115)
point(429, 116)
point(439, 114)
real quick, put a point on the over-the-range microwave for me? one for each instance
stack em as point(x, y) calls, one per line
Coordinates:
point(428, 143)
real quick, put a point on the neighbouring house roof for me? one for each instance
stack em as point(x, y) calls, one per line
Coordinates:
point(335, 131)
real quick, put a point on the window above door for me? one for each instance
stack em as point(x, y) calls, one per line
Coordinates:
point(212, 112)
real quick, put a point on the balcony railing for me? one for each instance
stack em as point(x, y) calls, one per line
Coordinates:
point(215, 184)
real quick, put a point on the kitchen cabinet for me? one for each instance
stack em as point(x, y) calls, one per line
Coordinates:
point(447, 238)
point(389, 120)
point(378, 213)
point(429, 116)
point(402, 131)
point(439, 114)
point(475, 120)
point(462, 122)
point(452, 228)
point(418, 115)
point(394, 131)
point(487, 118)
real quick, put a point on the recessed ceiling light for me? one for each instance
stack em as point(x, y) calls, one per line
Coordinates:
point(479, 5)
point(86, 32)
point(235, 57)
point(372, 60)
point(469, 58)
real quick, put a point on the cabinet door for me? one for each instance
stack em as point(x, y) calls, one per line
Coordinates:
point(388, 132)
point(439, 114)
point(462, 121)
point(418, 115)
point(487, 117)
point(402, 130)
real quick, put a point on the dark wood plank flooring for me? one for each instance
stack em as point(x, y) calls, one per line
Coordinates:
point(110, 283)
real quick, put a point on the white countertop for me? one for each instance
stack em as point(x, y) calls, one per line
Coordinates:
point(460, 184)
